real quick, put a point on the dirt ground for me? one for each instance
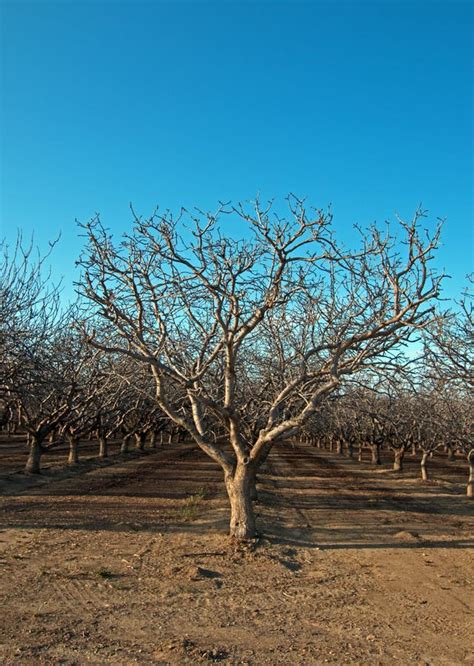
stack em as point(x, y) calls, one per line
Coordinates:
point(129, 563)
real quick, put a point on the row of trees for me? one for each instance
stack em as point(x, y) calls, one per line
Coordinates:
point(401, 420)
point(237, 343)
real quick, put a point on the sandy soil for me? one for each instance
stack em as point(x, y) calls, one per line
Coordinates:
point(130, 564)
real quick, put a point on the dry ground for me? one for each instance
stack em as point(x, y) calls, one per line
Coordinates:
point(129, 564)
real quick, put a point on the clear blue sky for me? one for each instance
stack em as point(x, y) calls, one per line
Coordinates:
point(368, 105)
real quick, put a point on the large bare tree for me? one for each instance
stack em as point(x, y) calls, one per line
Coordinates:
point(248, 319)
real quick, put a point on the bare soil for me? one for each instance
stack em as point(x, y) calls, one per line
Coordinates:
point(129, 563)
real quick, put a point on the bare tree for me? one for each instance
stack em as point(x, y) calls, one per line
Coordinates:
point(458, 418)
point(246, 338)
point(449, 350)
point(29, 308)
point(52, 390)
point(38, 379)
point(449, 341)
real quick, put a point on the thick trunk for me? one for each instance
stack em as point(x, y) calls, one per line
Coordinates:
point(125, 445)
point(153, 439)
point(398, 460)
point(240, 487)
point(423, 465)
point(340, 447)
point(73, 457)
point(33, 464)
point(103, 447)
point(253, 485)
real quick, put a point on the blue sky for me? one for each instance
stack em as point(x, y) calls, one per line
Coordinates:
point(367, 105)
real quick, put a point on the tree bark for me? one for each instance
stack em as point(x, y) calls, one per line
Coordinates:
point(375, 451)
point(125, 445)
point(140, 439)
point(399, 454)
point(239, 487)
point(33, 464)
point(103, 447)
point(73, 457)
point(470, 483)
point(153, 439)
point(253, 485)
point(340, 447)
point(423, 465)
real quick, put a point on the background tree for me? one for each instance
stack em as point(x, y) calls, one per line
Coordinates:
point(29, 308)
point(449, 352)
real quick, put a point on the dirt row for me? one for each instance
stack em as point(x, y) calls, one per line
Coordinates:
point(130, 563)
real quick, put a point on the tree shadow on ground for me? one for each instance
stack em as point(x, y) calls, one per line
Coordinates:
point(306, 499)
point(291, 539)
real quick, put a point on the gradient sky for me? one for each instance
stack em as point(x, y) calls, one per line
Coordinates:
point(367, 105)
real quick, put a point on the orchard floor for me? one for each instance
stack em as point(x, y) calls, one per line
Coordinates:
point(130, 564)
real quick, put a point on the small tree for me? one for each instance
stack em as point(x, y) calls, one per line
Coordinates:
point(52, 390)
point(246, 338)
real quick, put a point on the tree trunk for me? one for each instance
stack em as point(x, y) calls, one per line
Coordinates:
point(73, 457)
point(340, 447)
point(140, 439)
point(125, 445)
point(153, 439)
point(350, 450)
point(424, 468)
point(33, 464)
point(359, 456)
point(470, 483)
point(103, 447)
point(239, 488)
point(451, 455)
point(398, 460)
point(375, 451)
point(253, 485)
